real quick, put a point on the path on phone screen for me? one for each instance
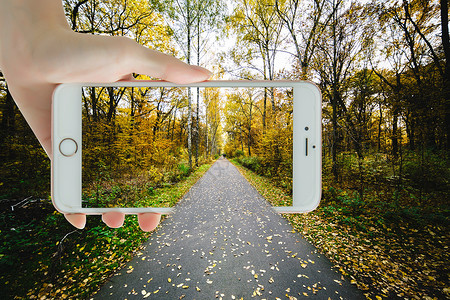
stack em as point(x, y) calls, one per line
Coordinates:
point(224, 241)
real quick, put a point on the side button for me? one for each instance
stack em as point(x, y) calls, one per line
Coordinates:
point(68, 147)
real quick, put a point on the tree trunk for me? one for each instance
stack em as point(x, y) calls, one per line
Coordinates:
point(111, 105)
point(197, 140)
point(169, 123)
point(395, 113)
point(379, 128)
point(242, 138)
point(250, 130)
point(335, 141)
point(446, 79)
point(197, 126)
point(94, 100)
point(334, 100)
point(264, 110)
point(206, 134)
point(174, 121)
point(74, 14)
point(189, 124)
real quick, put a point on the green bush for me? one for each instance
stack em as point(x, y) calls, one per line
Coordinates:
point(428, 171)
point(239, 153)
point(251, 162)
point(184, 170)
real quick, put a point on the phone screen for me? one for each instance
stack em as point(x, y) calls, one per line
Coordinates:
point(135, 139)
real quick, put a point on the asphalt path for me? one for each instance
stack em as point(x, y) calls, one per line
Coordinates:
point(225, 242)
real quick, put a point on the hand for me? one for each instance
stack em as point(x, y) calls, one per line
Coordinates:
point(38, 50)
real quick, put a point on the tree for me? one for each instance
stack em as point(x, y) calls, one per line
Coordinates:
point(213, 103)
point(305, 22)
point(234, 120)
point(113, 17)
point(337, 56)
point(209, 19)
point(187, 20)
point(246, 100)
point(258, 27)
point(412, 27)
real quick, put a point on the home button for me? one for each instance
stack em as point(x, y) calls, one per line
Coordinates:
point(68, 147)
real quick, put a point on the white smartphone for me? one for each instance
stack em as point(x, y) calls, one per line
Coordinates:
point(81, 182)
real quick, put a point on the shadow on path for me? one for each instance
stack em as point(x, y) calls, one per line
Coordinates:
point(225, 241)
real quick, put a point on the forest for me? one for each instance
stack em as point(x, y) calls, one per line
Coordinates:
point(383, 68)
point(137, 137)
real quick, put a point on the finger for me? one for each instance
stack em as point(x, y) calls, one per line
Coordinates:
point(163, 66)
point(113, 219)
point(93, 58)
point(77, 220)
point(148, 221)
point(127, 77)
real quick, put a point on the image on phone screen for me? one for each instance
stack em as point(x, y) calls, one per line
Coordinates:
point(135, 139)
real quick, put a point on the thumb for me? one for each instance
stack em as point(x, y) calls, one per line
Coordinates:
point(94, 58)
point(166, 67)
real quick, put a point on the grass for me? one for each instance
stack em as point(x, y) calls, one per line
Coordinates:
point(44, 257)
point(265, 186)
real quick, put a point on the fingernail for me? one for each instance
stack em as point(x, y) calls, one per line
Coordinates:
point(149, 221)
point(77, 220)
point(113, 219)
point(203, 70)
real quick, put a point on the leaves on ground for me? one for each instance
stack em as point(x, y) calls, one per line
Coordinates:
point(382, 258)
point(53, 265)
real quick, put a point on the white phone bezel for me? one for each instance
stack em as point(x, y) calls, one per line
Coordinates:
point(66, 125)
